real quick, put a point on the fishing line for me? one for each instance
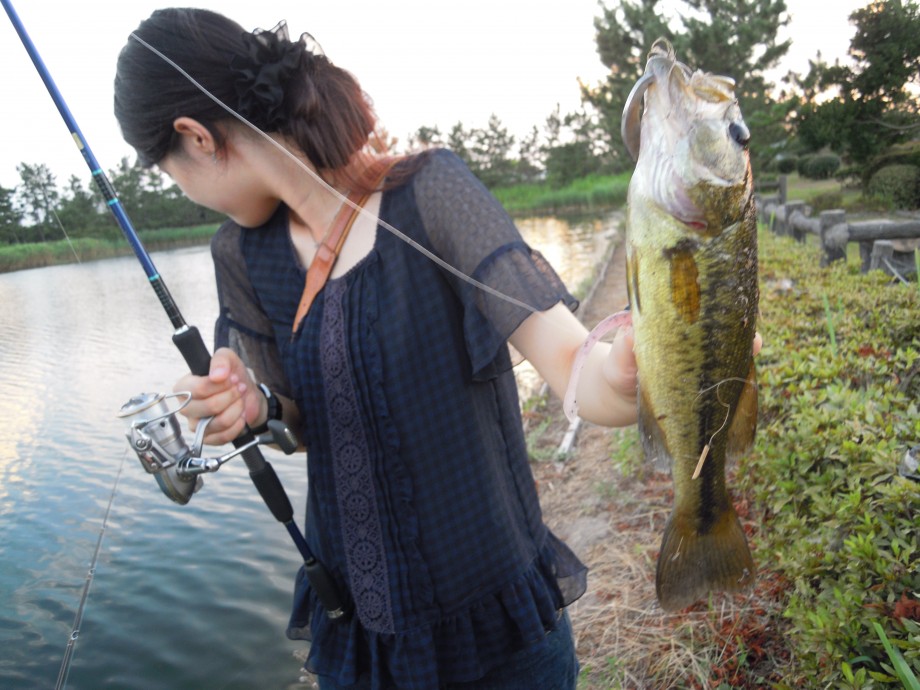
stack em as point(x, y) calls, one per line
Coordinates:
point(91, 573)
point(728, 411)
point(66, 236)
point(359, 209)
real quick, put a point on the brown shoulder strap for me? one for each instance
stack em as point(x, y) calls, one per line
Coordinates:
point(328, 251)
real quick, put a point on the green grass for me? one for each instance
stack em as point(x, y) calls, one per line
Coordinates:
point(826, 194)
point(591, 193)
point(19, 257)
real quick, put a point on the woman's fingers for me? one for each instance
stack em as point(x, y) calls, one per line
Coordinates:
point(621, 370)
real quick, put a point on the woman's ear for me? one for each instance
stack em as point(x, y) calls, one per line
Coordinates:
point(195, 136)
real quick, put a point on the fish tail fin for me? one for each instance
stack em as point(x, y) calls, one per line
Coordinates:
point(692, 564)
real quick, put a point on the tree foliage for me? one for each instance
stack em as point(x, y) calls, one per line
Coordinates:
point(82, 210)
point(37, 197)
point(861, 109)
point(37, 210)
point(10, 218)
point(736, 38)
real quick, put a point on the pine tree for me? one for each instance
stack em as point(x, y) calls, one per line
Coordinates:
point(735, 38)
point(872, 103)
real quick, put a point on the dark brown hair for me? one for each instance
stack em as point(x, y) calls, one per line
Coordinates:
point(324, 109)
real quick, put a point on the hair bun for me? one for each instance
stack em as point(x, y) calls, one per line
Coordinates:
point(262, 73)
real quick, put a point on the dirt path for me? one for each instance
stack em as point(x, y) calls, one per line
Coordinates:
point(611, 512)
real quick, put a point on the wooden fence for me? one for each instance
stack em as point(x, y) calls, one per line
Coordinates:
point(880, 245)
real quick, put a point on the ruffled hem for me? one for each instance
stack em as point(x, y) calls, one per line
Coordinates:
point(456, 648)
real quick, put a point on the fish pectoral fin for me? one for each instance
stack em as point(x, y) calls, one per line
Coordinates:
point(744, 421)
point(690, 564)
point(653, 444)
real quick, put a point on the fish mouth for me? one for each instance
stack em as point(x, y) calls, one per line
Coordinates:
point(691, 95)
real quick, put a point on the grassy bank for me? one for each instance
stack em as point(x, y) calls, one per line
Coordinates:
point(832, 194)
point(595, 192)
point(18, 257)
point(839, 388)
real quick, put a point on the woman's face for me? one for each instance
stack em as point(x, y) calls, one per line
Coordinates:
point(221, 182)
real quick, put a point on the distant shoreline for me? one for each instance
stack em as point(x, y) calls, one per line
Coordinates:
point(22, 257)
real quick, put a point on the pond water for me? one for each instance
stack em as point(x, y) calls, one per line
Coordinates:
point(191, 596)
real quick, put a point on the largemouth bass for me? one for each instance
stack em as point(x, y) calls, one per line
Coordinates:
point(691, 248)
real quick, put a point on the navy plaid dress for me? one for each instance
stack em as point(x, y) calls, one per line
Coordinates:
point(421, 501)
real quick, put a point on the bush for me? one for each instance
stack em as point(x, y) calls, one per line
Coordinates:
point(902, 154)
point(786, 164)
point(899, 184)
point(820, 167)
point(839, 391)
point(826, 201)
point(802, 163)
point(849, 176)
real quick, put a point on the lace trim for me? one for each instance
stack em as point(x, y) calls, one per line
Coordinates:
point(361, 529)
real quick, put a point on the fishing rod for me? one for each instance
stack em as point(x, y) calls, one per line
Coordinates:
point(154, 432)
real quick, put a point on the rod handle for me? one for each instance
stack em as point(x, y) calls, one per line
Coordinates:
point(194, 351)
point(269, 487)
point(326, 591)
point(196, 355)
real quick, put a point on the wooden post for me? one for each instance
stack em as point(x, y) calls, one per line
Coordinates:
point(833, 236)
point(779, 214)
point(793, 207)
point(865, 255)
point(781, 193)
point(881, 250)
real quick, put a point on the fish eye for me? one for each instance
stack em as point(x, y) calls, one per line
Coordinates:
point(740, 133)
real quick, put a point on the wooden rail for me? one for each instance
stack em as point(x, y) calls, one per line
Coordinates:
point(877, 238)
point(780, 185)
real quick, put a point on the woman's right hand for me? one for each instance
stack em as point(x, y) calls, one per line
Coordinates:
point(227, 394)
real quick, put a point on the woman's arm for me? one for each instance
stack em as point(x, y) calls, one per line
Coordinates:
point(607, 386)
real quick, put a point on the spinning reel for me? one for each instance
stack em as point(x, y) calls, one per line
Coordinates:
point(156, 436)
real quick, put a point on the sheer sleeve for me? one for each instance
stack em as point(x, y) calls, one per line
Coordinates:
point(469, 228)
point(242, 325)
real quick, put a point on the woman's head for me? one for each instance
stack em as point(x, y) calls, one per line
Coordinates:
point(277, 84)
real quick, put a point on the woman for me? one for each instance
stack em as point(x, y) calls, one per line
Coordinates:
point(398, 378)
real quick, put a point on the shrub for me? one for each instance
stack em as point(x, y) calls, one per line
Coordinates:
point(902, 154)
point(826, 201)
point(821, 167)
point(848, 176)
point(786, 164)
point(802, 163)
point(899, 184)
point(837, 415)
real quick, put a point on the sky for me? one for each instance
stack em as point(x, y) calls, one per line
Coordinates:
point(423, 62)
